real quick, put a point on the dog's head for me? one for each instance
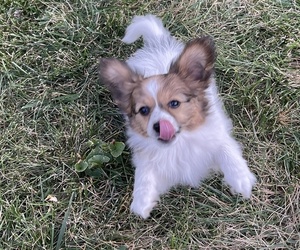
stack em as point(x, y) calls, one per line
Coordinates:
point(162, 106)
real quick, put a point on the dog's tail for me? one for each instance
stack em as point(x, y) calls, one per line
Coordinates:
point(149, 27)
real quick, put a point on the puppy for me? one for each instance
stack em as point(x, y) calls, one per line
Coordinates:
point(176, 126)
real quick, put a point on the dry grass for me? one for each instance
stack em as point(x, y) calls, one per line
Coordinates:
point(51, 103)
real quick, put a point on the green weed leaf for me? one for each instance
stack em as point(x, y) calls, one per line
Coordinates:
point(99, 154)
point(81, 166)
point(95, 151)
point(98, 160)
point(116, 149)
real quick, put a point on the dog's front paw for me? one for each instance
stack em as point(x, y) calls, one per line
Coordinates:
point(241, 183)
point(142, 208)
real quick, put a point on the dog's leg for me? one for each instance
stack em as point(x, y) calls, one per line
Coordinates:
point(147, 189)
point(234, 167)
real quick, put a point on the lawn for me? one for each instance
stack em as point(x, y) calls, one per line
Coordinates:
point(52, 104)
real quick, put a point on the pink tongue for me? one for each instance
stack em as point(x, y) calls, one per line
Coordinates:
point(166, 130)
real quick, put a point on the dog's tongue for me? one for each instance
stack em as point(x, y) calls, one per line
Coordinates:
point(166, 130)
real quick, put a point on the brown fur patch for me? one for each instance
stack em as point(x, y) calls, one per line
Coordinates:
point(196, 61)
point(120, 80)
point(192, 109)
point(186, 82)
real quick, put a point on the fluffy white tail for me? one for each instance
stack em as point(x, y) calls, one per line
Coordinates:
point(149, 27)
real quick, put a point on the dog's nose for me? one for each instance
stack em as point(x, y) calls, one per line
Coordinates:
point(156, 127)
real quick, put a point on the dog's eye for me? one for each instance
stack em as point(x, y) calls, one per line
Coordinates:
point(174, 104)
point(144, 110)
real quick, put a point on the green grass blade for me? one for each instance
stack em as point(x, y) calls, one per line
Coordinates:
point(64, 224)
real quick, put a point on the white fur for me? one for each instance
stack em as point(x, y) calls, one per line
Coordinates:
point(191, 156)
point(152, 87)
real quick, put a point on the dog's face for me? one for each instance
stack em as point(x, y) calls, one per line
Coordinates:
point(161, 106)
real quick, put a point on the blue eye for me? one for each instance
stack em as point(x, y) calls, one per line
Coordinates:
point(174, 104)
point(144, 110)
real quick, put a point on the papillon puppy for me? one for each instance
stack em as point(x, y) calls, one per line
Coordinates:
point(176, 126)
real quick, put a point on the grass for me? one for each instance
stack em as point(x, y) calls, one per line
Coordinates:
point(51, 104)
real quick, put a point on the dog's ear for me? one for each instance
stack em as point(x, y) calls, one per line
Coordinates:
point(120, 80)
point(196, 62)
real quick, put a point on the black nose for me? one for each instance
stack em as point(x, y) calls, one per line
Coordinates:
point(156, 127)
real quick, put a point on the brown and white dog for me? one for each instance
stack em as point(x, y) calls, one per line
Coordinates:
point(176, 125)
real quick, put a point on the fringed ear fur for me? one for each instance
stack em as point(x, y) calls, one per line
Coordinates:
point(196, 62)
point(120, 80)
